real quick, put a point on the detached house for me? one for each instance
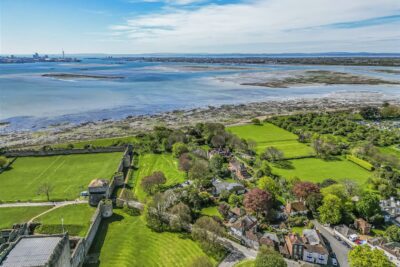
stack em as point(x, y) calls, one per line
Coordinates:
point(295, 208)
point(220, 186)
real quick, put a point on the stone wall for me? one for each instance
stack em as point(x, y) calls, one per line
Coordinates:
point(78, 255)
point(38, 153)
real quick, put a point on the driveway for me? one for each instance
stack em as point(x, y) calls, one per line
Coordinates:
point(340, 250)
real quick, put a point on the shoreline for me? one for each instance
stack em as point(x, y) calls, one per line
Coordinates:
point(226, 114)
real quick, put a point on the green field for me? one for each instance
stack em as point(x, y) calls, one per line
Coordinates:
point(76, 220)
point(102, 142)
point(391, 150)
point(69, 175)
point(150, 163)
point(211, 211)
point(316, 170)
point(124, 240)
point(9, 216)
point(267, 135)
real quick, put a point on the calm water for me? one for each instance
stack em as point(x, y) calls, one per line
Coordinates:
point(29, 101)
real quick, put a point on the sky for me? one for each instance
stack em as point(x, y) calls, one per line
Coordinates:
point(198, 26)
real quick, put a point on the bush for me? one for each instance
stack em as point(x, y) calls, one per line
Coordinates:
point(360, 162)
point(132, 211)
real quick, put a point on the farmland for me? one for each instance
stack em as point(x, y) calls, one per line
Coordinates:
point(69, 175)
point(124, 240)
point(10, 216)
point(150, 163)
point(267, 135)
point(76, 220)
point(316, 170)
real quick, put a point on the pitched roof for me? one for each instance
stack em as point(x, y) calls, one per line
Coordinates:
point(297, 206)
point(32, 251)
point(98, 183)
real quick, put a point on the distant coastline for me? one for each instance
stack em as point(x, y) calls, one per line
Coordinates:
point(80, 76)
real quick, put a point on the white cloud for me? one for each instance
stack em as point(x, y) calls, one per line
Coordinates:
point(262, 26)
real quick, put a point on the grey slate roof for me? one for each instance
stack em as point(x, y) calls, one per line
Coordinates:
point(31, 251)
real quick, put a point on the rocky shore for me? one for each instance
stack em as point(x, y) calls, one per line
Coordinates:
point(226, 114)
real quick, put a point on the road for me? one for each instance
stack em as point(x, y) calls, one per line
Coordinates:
point(340, 250)
point(37, 204)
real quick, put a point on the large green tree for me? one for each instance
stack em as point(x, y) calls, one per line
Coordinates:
point(368, 206)
point(365, 256)
point(268, 257)
point(331, 209)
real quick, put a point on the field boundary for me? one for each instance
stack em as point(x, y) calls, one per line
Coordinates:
point(59, 152)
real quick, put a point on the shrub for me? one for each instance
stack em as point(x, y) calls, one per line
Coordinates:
point(360, 162)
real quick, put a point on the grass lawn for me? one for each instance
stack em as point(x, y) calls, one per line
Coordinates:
point(316, 170)
point(391, 150)
point(211, 211)
point(298, 230)
point(150, 163)
point(102, 142)
point(76, 220)
point(245, 263)
point(125, 240)
point(267, 135)
point(68, 174)
point(9, 216)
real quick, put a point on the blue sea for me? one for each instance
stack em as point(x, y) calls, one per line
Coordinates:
point(29, 101)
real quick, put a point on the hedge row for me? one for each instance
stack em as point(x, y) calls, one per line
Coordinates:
point(360, 162)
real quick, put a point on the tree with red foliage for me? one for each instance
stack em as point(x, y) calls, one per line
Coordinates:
point(257, 200)
point(302, 189)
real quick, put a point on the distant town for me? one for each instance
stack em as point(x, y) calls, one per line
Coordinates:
point(36, 58)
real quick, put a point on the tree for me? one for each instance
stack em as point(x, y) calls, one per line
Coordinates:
point(302, 189)
point(365, 256)
point(235, 200)
point(393, 233)
point(331, 209)
point(199, 172)
point(368, 206)
point(370, 113)
point(267, 257)
point(201, 261)
point(256, 121)
point(218, 140)
point(268, 184)
point(257, 200)
point(216, 164)
point(178, 149)
point(155, 180)
point(272, 154)
point(185, 162)
point(45, 188)
point(182, 217)
point(207, 231)
point(3, 161)
point(314, 201)
point(338, 190)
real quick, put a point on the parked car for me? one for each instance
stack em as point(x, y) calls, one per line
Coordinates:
point(334, 262)
point(84, 194)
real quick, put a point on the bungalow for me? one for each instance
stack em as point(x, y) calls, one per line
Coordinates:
point(238, 169)
point(295, 208)
point(220, 186)
point(363, 226)
point(314, 247)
